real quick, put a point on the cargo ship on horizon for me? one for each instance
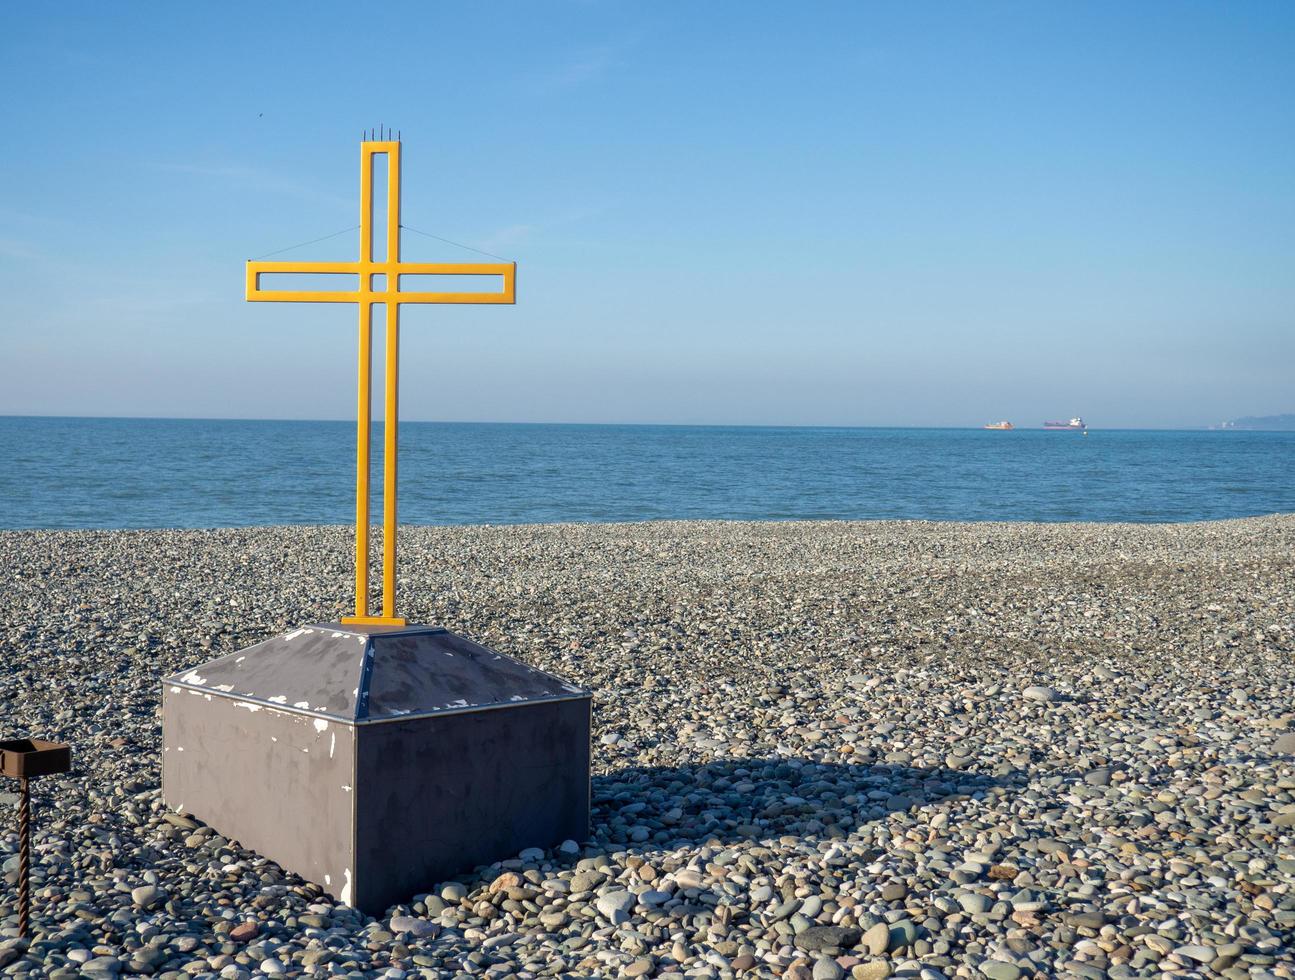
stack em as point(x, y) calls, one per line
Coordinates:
point(1003, 425)
point(1074, 425)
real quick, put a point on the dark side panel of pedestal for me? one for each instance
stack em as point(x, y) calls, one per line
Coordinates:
point(440, 794)
point(278, 782)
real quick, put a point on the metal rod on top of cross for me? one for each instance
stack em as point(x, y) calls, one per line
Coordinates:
point(379, 282)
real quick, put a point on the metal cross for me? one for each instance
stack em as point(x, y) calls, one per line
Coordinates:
point(379, 281)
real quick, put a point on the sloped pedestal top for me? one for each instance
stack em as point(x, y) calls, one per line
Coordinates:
point(374, 674)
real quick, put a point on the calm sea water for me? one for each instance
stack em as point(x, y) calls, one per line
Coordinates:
point(123, 473)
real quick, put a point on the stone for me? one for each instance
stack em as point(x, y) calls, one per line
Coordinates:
point(610, 904)
point(101, 966)
point(1085, 920)
point(148, 896)
point(507, 880)
point(584, 881)
point(410, 924)
point(244, 932)
point(877, 939)
point(688, 878)
point(826, 968)
point(872, 970)
point(817, 938)
point(902, 933)
point(894, 891)
point(1098, 777)
point(1201, 954)
point(784, 911)
point(999, 970)
point(1040, 693)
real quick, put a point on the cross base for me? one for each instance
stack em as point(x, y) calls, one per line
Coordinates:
point(388, 759)
point(373, 621)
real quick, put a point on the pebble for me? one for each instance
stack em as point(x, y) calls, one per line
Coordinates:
point(1201, 954)
point(415, 926)
point(998, 970)
point(1038, 693)
point(826, 968)
point(877, 939)
point(610, 904)
point(875, 970)
point(785, 910)
point(815, 938)
point(148, 896)
point(1098, 777)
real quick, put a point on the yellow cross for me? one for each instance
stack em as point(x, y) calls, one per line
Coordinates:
point(379, 282)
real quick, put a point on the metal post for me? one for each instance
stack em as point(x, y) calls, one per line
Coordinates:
point(24, 858)
point(23, 759)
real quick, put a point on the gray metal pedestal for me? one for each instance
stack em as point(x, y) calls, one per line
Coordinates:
point(377, 761)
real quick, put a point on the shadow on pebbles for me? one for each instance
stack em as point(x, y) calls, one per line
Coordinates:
point(821, 750)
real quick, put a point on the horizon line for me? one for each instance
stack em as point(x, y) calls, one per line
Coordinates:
point(1211, 427)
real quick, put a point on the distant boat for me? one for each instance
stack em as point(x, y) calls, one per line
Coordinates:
point(1000, 425)
point(1074, 425)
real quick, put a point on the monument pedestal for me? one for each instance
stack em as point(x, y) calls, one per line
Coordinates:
point(377, 761)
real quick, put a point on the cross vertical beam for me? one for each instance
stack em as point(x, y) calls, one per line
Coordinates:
point(371, 266)
point(391, 389)
point(364, 386)
point(390, 296)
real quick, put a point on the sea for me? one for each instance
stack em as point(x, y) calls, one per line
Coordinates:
point(187, 473)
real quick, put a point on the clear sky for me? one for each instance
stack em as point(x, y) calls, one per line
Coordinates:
point(836, 213)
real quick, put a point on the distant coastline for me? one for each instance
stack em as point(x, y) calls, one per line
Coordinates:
point(1260, 423)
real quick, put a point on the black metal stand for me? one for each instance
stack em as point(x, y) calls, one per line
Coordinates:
point(24, 858)
point(24, 759)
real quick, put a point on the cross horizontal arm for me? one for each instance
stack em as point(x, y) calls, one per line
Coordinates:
point(255, 294)
point(506, 271)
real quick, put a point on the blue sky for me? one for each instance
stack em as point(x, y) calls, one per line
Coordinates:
point(838, 213)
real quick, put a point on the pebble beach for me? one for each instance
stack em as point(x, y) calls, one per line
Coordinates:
point(821, 750)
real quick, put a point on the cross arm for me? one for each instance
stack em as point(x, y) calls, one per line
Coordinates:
point(255, 294)
point(506, 271)
point(394, 271)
